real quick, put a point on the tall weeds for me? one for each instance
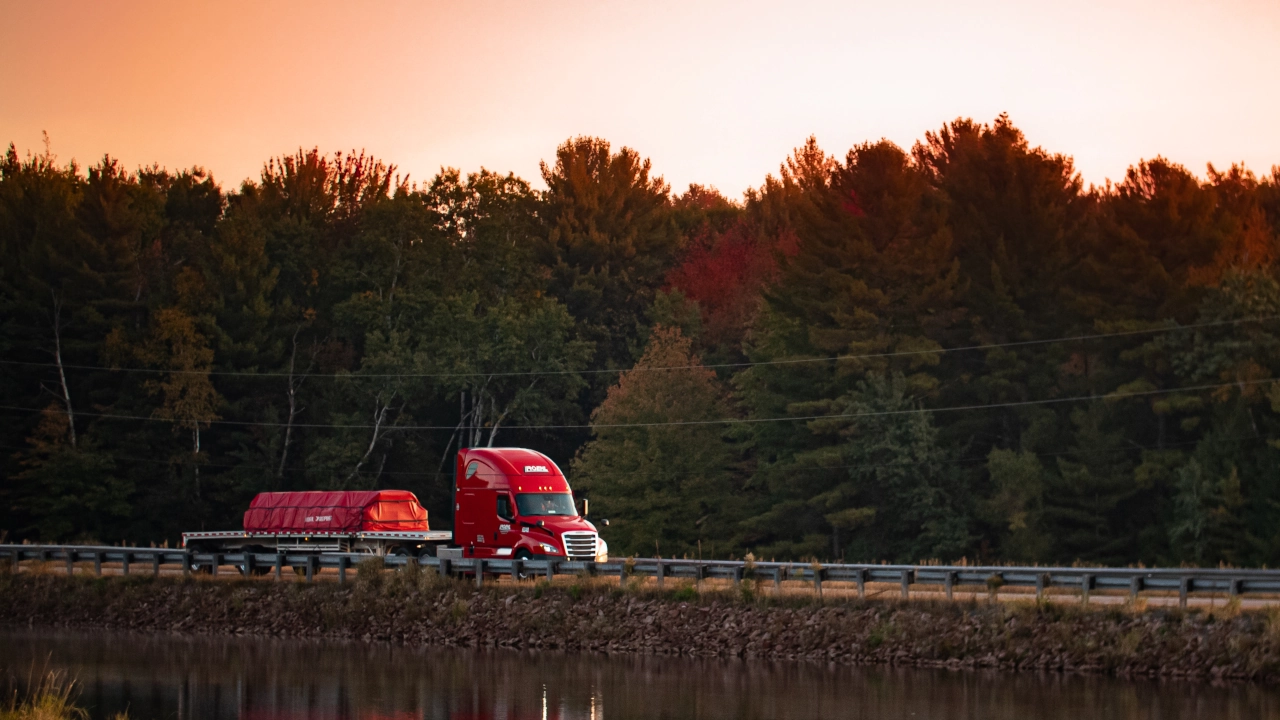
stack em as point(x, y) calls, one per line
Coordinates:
point(51, 698)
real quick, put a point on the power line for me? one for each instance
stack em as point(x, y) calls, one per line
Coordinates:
point(1133, 447)
point(662, 368)
point(717, 421)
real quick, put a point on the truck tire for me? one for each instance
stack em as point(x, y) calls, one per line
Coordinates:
point(259, 569)
point(400, 551)
point(523, 554)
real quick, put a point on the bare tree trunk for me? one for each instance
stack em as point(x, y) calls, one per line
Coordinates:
point(195, 456)
point(379, 418)
point(493, 433)
point(62, 375)
point(294, 386)
point(444, 454)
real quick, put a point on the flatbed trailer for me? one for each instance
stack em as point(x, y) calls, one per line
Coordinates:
point(414, 543)
point(374, 522)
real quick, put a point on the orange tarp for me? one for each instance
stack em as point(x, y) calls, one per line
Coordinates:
point(336, 511)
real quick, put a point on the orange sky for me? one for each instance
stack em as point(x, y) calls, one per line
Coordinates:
point(714, 92)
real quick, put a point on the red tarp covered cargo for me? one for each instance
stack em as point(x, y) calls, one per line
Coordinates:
point(335, 511)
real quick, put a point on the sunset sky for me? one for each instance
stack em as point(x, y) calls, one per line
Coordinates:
point(714, 92)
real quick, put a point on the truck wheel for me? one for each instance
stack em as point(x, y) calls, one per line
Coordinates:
point(400, 551)
point(197, 567)
point(523, 554)
point(257, 568)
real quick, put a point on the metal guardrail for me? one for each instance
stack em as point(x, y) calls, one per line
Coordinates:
point(1234, 582)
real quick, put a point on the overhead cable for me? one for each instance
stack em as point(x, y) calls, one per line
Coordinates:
point(717, 421)
point(357, 375)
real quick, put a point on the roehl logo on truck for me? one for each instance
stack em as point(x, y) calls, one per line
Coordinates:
point(318, 518)
point(536, 469)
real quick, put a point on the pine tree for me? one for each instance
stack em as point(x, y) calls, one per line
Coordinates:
point(666, 488)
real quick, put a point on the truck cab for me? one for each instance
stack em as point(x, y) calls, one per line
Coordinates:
point(516, 503)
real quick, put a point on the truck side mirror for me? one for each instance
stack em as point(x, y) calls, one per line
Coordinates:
point(542, 523)
point(605, 522)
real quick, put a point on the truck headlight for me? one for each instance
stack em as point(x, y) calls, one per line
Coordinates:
point(602, 550)
point(549, 549)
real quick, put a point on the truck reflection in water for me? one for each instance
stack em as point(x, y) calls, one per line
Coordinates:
point(181, 677)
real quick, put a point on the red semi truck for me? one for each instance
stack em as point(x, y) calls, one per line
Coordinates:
point(508, 503)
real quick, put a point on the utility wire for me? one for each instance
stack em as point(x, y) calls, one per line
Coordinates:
point(661, 368)
point(1133, 447)
point(718, 421)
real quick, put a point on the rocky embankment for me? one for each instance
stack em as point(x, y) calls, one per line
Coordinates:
point(423, 609)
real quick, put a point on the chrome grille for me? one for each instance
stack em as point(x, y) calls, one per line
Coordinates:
point(580, 545)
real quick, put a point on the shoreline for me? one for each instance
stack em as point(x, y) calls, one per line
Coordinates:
point(423, 609)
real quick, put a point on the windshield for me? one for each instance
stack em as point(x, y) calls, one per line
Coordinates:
point(545, 504)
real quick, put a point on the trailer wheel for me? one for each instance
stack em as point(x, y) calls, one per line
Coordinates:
point(257, 569)
point(400, 551)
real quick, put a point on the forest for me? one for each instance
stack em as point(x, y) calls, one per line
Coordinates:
point(953, 351)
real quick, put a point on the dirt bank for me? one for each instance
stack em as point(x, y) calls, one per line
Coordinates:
point(422, 609)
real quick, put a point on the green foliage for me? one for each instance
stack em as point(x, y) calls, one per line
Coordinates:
point(666, 488)
point(301, 330)
point(688, 593)
point(610, 238)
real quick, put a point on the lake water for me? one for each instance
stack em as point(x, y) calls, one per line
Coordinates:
point(165, 676)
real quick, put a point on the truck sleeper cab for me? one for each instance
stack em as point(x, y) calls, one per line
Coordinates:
point(516, 503)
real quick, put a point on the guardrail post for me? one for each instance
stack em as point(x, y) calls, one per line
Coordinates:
point(312, 561)
point(1233, 586)
point(1086, 584)
point(777, 580)
point(342, 569)
point(1041, 579)
point(445, 567)
point(124, 563)
point(517, 567)
point(949, 583)
point(661, 572)
point(279, 565)
point(737, 576)
point(817, 581)
point(860, 576)
point(622, 575)
point(479, 565)
point(246, 568)
point(17, 559)
point(97, 562)
point(698, 571)
point(907, 577)
point(155, 564)
point(1184, 587)
point(214, 563)
point(1135, 587)
point(71, 561)
point(551, 569)
point(186, 563)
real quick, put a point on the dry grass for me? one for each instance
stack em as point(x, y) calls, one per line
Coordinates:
point(52, 697)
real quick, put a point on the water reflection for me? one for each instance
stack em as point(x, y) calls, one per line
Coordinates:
point(180, 677)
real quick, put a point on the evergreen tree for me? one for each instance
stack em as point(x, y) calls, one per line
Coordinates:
point(667, 487)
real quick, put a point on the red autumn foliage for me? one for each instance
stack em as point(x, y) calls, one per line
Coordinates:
point(725, 272)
